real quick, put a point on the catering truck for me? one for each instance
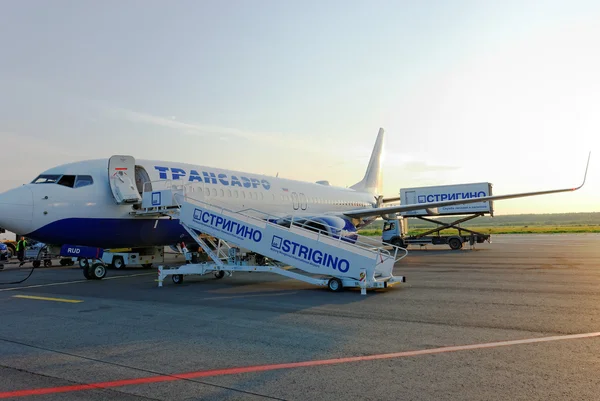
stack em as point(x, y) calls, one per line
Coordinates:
point(395, 230)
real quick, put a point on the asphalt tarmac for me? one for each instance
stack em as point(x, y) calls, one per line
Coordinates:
point(518, 319)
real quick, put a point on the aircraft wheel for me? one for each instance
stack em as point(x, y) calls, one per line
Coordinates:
point(118, 262)
point(47, 263)
point(335, 284)
point(83, 263)
point(219, 274)
point(177, 278)
point(455, 244)
point(36, 264)
point(97, 271)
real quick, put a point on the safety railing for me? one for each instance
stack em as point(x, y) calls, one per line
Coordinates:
point(260, 217)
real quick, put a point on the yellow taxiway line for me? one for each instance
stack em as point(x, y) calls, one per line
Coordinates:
point(71, 301)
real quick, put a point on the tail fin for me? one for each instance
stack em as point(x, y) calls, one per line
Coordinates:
point(372, 181)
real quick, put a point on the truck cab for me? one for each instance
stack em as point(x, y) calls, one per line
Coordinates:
point(393, 232)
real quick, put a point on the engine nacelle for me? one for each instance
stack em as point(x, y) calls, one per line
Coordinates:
point(331, 226)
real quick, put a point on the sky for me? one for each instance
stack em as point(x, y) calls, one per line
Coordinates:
point(467, 91)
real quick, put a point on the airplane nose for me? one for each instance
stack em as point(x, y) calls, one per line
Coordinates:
point(16, 210)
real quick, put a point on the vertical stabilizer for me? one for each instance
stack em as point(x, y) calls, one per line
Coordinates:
point(372, 181)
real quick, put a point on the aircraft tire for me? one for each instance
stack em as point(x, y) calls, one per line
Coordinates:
point(97, 271)
point(177, 278)
point(335, 284)
point(219, 274)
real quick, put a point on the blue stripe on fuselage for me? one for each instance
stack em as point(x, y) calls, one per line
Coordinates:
point(112, 233)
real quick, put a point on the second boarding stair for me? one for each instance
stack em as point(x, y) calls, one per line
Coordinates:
point(321, 259)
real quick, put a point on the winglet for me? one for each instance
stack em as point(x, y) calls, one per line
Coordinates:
point(586, 170)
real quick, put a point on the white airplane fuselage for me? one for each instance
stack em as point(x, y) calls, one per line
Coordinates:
point(88, 214)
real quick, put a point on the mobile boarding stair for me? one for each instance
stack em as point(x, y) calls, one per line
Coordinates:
point(332, 261)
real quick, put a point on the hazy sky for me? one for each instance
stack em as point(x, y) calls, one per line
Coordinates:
point(467, 91)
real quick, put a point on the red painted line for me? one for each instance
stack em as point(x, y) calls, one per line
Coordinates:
point(291, 365)
point(120, 168)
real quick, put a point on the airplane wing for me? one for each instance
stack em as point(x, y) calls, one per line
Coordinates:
point(382, 211)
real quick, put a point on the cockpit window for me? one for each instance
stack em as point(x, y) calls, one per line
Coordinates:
point(67, 181)
point(70, 181)
point(47, 179)
point(83, 181)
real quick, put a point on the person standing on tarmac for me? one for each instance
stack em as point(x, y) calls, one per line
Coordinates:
point(21, 250)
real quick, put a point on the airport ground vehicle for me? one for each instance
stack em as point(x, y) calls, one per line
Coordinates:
point(395, 233)
point(395, 229)
point(3, 254)
point(252, 244)
point(121, 258)
point(11, 246)
point(37, 254)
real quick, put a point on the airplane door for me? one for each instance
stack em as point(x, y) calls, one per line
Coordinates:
point(142, 180)
point(295, 200)
point(121, 176)
point(302, 201)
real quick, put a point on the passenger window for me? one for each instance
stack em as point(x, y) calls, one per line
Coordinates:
point(67, 181)
point(235, 193)
point(222, 194)
point(229, 193)
point(83, 181)
point(214, 192)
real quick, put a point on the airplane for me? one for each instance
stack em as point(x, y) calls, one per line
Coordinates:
point(93, 202)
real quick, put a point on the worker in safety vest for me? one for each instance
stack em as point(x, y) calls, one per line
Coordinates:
point(21, 250)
